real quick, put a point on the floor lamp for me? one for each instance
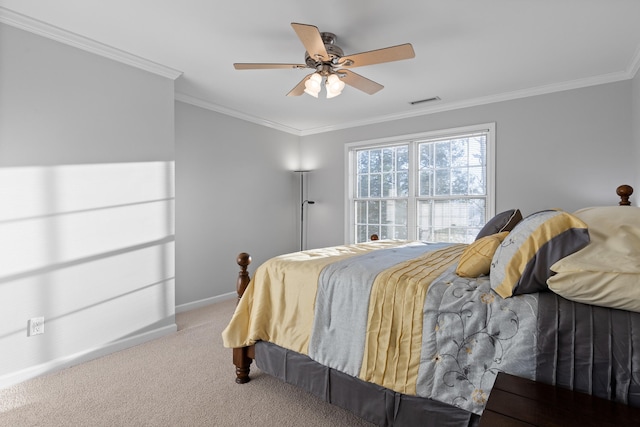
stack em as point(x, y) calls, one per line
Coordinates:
point(303, 201)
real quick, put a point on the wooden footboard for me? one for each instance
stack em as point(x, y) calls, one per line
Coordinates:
point(243, 356)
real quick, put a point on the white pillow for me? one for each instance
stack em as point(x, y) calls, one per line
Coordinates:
point(607, 271)
point(615, 241)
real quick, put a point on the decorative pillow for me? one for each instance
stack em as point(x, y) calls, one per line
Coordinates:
point(522, 263)
point(607, 271)
point(476, 258)
point(504, 221)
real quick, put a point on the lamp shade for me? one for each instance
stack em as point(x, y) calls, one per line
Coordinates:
point(312, 85)
point(334, 86)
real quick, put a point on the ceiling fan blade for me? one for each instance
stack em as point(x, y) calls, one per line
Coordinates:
point(259, 66)
point(310, 37)
point(299, 89)
point(378, 56)
point(359, 82)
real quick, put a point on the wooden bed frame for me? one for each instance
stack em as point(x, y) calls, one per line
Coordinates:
point(243, 356)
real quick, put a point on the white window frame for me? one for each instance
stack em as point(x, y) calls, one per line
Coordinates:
point(350, 165)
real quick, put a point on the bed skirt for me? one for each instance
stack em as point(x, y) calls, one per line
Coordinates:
point(369, 401)
point(590, 349)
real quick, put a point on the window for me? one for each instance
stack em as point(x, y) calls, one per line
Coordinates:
point(436, 186)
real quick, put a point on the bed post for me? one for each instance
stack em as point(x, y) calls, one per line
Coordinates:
point(624, 191)
point(241, 355)
point(243, 260)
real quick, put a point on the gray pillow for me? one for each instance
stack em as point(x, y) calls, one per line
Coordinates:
point(504, 221)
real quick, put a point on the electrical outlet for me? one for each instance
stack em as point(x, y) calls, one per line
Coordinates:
point(35, 326)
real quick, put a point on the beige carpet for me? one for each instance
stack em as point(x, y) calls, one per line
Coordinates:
point(185, 379)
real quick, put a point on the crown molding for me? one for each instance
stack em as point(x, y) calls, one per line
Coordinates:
point(507, 96)
point(49, 31)
point(188, 99)
point(441, 107)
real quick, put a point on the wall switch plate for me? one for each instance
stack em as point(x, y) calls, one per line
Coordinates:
point(35, 326)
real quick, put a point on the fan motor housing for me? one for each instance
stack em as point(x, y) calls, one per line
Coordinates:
point(334, 52)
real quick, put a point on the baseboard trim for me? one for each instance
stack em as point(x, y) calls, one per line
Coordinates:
point(55, 365)
point(204, 302)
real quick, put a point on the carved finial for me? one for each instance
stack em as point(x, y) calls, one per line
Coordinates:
point(624, 191)
point(243, 260)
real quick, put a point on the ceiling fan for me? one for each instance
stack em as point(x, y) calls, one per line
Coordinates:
point(331, 64)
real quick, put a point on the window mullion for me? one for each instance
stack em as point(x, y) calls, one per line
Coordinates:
point(412, 207)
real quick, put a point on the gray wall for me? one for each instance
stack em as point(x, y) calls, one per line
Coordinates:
point(237, 193)
point(564, 150)
point(86, 226)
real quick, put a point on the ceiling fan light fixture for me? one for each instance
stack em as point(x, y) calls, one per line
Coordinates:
point(327, 59)
point(334, 85)
point(312, 85)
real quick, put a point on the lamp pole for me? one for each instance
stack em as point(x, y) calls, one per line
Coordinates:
point(302, 203)
point(302, 219)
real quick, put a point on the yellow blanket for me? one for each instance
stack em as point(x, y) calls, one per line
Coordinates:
point(394, 331)
point(280, 308)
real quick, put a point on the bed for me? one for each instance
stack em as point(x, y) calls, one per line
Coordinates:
point(414, 333)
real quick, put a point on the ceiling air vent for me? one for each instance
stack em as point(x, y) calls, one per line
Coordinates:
point(422, 101)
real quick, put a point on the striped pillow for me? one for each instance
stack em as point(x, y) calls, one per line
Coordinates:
point(476, 258)
point(522, 263)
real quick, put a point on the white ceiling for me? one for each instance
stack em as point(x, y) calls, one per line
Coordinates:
point(468, 52)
